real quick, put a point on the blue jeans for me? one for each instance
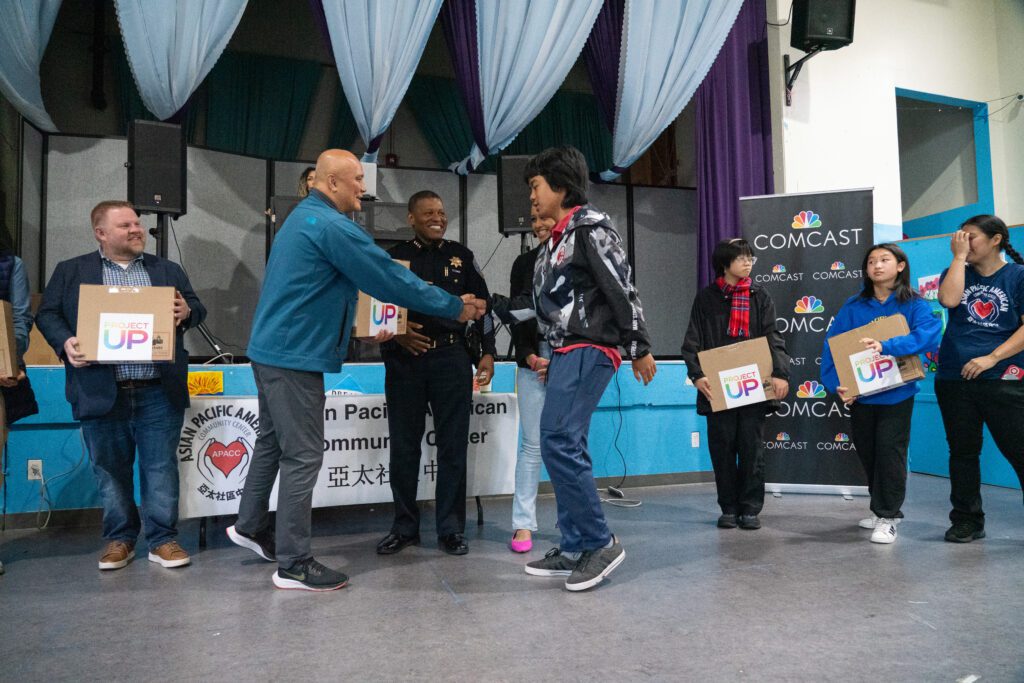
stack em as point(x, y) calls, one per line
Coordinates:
point(530, 396)
point(141, 420)
point(576, 381)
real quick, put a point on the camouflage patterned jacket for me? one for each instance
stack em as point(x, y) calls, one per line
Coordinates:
point(582, 290)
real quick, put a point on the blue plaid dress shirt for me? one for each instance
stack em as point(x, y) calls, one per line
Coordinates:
point(134, 275)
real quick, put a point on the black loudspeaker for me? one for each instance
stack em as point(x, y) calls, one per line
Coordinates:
point(156, 167)
point(513, 196)
point(822, 24)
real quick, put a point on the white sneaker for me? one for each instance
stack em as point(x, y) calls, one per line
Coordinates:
point(885, 531)
point(872, 521)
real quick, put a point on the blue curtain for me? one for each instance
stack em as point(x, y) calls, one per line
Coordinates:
point(525, 51)
point(171, 46)
point(25, 29)
point(377, 45)
point(131, 105)
point(258, 105)
point(668, 47)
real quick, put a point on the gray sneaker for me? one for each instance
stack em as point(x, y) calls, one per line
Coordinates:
point(595, 565)
point(309, 575)
point(553, 564)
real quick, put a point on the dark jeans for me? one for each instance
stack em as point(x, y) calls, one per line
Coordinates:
point(881, 434)
point(144, 421)
point(441, 380)
point(966, 405)
point(291, 441)
point(736, 445)
point(575, 383)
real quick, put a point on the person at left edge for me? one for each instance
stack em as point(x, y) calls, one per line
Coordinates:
point(430, 366)
point(319, 262)
point(126, 409)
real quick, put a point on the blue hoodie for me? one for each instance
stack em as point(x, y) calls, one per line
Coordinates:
point(925, 330)
point(319, 262)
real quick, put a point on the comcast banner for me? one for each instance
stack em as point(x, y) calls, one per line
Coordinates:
point(217, 439)
point(809, 249)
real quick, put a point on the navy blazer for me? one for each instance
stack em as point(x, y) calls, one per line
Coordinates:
point(92, 390)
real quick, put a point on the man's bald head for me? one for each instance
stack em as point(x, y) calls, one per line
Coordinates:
point(339, 175)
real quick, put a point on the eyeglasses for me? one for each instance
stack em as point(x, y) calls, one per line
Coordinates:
point(747, 259)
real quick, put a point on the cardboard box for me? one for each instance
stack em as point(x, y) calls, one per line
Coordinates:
point(373, 316)
point(740, 374)
point(126, 324)
point(39, 351)
point(864, 372)
point(8, 344)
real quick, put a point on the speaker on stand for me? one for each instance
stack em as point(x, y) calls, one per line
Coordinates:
point(157, 174)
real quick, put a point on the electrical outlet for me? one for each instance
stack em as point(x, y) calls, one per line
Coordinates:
point(695, 439)
point(35, 470)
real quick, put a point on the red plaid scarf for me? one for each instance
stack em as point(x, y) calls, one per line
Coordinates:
point(739, 316)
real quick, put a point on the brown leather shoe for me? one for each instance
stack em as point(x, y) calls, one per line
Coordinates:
point(117, 555)
point(169, 554)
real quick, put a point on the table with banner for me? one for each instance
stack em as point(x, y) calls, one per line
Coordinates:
point(809, 249)
point(219, 433)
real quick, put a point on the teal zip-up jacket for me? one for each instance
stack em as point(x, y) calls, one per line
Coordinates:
point(319, 261)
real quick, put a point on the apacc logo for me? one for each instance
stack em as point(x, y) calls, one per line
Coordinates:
point(806, 219)
point(784, 442)
point(810, 389)
point(809, 304)
point(125, 334)
point(219, 440)
point(840, 443)
point(805, 233)
point(984, 304)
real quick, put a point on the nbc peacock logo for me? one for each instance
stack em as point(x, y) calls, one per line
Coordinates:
point(811, 389)
point(778, 268)
point(782, 436)
point(838, 265)
point(806, 219)
point(842, 437)
point(809, 304)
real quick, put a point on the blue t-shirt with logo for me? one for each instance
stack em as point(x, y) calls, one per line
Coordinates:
point(989, 313)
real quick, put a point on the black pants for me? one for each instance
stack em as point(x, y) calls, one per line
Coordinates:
point(966, 405)
point(441, 379)
point(736, 443)
point(881, 434)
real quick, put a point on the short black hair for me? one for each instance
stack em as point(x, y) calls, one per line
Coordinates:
point(564, 168)
point(420, 196)
point(728, 251)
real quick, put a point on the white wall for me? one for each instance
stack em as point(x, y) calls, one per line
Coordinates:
point(841, 130)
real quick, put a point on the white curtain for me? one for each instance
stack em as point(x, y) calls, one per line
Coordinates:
point(25, 27)
point(171, 45)
point(377, 45)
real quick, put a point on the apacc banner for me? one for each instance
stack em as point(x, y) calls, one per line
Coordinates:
point(219, 433)
point(809, 249)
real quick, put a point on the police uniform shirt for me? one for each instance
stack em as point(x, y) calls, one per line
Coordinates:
point(450, 266)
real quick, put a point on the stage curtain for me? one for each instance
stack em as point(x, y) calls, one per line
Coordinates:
point(520, 53)
point(132, 107)
point(258, 105)
point(343, 129)
point(377, 45)
point(601, 55)
point(172, 46)
point(734, 133)
point(24, 32)
point(668, 47)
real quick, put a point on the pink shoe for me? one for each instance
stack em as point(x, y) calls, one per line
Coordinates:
point(520, 546)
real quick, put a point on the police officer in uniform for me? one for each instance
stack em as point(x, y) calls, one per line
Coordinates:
point(430, 366)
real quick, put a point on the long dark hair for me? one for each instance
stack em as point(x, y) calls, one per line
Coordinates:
point(992, 226)
point(904, 292)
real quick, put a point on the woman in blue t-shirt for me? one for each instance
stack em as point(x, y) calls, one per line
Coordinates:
point(880, 422)
point(981, 364)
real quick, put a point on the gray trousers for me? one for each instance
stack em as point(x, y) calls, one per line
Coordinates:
point(291, 441)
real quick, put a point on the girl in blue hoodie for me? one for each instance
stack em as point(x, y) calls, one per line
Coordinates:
point(880, 423)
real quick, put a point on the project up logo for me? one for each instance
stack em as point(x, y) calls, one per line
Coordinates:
point(125, 336)
point(742, 386)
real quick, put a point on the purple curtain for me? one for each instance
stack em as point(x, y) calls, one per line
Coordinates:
point(320, 19)
point(458, 19)
point(733, 133)
point(602, 53)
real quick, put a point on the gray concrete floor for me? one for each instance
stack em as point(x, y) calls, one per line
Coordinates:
point(807, 598)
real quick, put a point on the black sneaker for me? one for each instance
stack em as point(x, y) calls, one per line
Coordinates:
point(262, 544)
point(309, 575)
point(553, 564)
point(964, 532)
point(749, 522)
point(594, 566)
point(727, 521)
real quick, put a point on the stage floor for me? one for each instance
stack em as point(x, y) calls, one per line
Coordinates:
point(805, 598)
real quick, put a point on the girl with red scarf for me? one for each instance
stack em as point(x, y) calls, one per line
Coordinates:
point(730, 310)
